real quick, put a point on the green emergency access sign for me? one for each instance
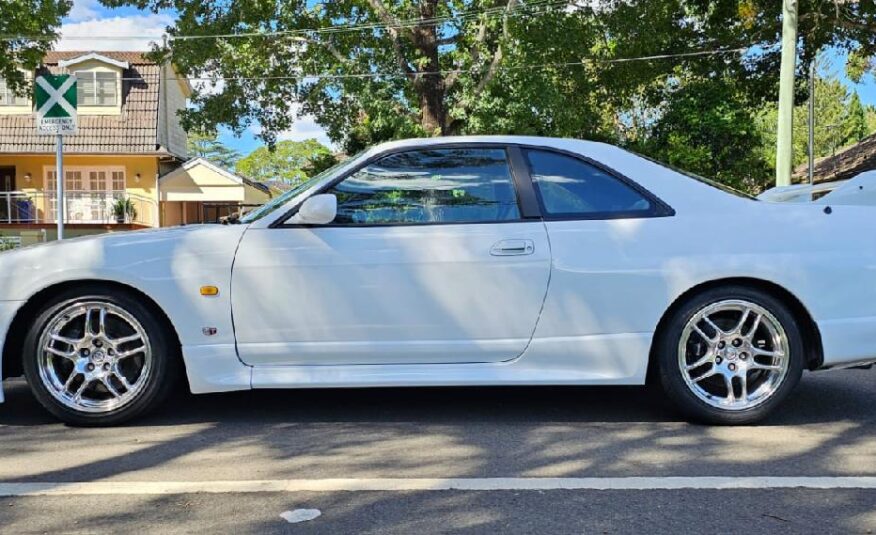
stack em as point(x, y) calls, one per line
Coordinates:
point(55, 98)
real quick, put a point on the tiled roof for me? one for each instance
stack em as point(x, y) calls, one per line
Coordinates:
point(135, 131)
point(846, 163)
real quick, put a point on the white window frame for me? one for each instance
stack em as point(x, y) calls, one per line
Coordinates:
point(80, 95)
point(88, 205)
point(48, 170)
point(8, 99)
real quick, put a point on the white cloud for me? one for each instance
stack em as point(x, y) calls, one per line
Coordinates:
point(84, 10)
point(303, 128)
point(98, 34)
point(306, 128)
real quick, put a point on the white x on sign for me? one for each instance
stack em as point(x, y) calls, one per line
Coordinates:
point(55, 98)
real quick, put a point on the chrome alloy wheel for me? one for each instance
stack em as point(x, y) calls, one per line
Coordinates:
point(733, 354)
point(94, 356)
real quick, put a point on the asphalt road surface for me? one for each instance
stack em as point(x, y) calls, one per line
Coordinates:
point(245, 459)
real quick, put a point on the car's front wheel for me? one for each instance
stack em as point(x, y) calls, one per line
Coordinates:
point(730, 355)
point(97, 356)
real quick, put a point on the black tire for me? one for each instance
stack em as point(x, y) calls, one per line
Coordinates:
point(671, 375)
point(165, 363)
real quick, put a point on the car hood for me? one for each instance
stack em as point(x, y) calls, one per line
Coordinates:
point(127, 257)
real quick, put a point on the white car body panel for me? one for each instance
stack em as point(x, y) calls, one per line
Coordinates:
point(859, 190)
point(610, 282)
point(418, 294)
point(168, 265)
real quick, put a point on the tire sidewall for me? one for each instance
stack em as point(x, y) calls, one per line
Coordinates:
point(157, 384)
point(671, 374)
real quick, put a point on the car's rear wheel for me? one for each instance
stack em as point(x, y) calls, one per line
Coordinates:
point(730, 355)
point(96, 356)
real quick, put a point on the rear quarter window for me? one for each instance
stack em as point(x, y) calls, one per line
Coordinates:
point(569, 187)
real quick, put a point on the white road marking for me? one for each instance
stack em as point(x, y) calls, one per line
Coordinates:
point(470, 484)
point(300, 515)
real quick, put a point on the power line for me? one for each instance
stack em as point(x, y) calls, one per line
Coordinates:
point(585, 61)
point(535, 7)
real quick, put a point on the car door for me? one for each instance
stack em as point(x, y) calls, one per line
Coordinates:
point(430, 259)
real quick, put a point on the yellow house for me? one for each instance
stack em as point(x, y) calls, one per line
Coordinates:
point(200, 191)
point(129, 140)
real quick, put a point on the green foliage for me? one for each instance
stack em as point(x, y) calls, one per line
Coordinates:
point(855, 121)
point(291, 161)
point(7, 244)
point(491, 67)
point(37, 19)
point(124, 209)
point(840, 120)
point(708, 128)
point(508, 67)
point(207, 146)
point(870, 115)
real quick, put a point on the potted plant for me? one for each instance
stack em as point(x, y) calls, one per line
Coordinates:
point(124, 210)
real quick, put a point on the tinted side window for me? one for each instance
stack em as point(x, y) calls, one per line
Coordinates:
point(569, 187)
point(429, 186)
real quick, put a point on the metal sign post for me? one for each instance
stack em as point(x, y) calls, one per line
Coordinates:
point(55, 98)
point(59, 183)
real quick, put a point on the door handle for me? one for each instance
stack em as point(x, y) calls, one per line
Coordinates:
point(512, 248)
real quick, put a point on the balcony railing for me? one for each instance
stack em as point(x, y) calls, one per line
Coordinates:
point(89, 207)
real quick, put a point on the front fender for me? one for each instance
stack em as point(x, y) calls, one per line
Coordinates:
point(167, 265)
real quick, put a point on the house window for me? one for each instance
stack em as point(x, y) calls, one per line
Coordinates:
point(97, 88)
point(9, 98)
point(118, 181)
point(72, 180)
point(90, 192)
point(90, 179)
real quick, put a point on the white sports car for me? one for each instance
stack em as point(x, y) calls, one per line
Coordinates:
point(455, 261)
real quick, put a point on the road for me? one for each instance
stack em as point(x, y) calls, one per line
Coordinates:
point(224, 443)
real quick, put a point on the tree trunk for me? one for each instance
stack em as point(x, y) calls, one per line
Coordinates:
point(431, 93)
point(429, 83)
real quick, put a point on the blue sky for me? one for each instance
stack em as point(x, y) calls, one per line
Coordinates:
point(89, 18)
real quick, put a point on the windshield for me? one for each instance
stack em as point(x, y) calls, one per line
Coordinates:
point(277, 202)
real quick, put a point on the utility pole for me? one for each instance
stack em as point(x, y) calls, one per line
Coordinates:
point(812, 121)
point(784, 145)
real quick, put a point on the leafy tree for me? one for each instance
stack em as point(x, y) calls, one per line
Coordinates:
point(386, 69)
point(708, 128)
point(840, 120)
point(372, 70)
point(31, 27)
point(870, 114)
point(291, 161)
point(206, 145)
point(855, 120)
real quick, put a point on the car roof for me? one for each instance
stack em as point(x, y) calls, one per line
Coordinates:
point(576, 145)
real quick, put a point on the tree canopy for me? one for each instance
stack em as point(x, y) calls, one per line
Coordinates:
point(27, 30)
point(634, 72)
point(840, 120)
point(371, 70)
point(289, 161)
point(207, 145)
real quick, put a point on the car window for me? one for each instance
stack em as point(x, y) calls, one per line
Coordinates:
point(569, 187)
point(452, 185)
point(281, 200)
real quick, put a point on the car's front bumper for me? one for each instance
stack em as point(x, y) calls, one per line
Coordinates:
point(7, 312)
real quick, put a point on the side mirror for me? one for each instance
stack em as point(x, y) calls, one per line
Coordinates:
point(317, 210)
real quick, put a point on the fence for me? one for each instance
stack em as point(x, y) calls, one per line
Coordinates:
point(95, 207)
